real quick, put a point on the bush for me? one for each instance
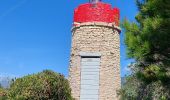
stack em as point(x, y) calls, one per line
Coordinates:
point(46, 85)
point(3, 94)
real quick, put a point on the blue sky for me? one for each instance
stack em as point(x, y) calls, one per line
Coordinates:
point(35, 35)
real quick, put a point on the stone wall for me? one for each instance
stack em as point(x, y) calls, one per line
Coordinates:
point(97, 37)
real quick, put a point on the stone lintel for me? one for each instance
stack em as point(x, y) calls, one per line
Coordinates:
point(90, 54)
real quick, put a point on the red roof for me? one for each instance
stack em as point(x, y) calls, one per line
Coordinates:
point(101, 12)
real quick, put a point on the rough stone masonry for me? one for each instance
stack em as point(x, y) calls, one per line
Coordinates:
point(96, 39)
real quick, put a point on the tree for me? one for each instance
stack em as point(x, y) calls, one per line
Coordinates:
point(148, 42)
point(46, 85)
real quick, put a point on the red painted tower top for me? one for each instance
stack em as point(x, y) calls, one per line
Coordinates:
point(96, 11)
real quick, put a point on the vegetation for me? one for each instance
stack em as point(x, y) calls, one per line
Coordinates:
point(46, 85)
point(148, 42)
point(0, 86)
point(3, 93)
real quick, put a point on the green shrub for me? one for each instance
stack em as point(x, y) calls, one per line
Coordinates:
point(3, 94)
point(46, 85)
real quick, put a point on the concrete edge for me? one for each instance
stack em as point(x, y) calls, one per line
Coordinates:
point(77, 25)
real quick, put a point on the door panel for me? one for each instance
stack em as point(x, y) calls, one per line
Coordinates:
point(90, 78)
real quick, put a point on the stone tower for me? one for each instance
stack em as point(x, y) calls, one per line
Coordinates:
point(95, 53)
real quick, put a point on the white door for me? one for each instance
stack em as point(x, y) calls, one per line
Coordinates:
point(90, 78)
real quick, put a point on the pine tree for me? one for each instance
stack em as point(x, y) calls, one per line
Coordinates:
point(148, 42)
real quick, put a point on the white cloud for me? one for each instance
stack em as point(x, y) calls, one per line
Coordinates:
point(127, 69)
